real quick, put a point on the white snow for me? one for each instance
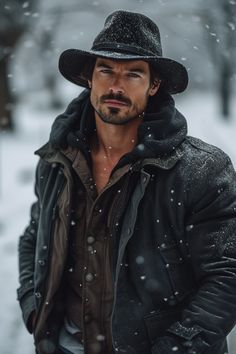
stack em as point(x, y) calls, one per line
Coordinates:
point(17, 164)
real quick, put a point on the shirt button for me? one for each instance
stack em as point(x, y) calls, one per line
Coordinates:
point(38, 295)
point(89, 277)
point(90, 240)
point(87, 318)
point(41, 262)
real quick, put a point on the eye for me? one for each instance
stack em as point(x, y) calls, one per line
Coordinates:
point(134, 75)
point(106, 71)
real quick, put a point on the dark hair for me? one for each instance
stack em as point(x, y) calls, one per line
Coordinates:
point(154, 75)
point(87, 72)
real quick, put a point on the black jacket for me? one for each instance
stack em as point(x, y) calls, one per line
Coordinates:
point(175, 272)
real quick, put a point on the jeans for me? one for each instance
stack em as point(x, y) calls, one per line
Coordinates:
point(66, 351)
point(68, 344)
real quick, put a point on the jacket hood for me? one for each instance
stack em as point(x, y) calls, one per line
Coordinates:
point(163, 129)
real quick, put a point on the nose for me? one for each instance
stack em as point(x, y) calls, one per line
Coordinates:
point(116, 86)
point(115, 91)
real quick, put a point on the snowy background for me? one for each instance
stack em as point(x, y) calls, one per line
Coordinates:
point(40, 94)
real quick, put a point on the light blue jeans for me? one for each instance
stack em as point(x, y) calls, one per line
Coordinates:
point(68, 343)
point(64, 350)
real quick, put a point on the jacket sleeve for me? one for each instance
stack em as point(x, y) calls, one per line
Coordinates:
point(211, 238)
point(26, 258)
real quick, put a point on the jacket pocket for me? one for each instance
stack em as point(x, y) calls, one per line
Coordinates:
point(179, 270)
point(157, 323)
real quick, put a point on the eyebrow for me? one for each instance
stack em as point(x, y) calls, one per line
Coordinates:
point(137, 70)
point(103, 65)
point(134, 69)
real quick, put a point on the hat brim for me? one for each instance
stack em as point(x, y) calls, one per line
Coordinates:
point(173, 74)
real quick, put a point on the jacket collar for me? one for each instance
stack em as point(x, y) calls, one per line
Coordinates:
point(165, 162)
point(159, 136)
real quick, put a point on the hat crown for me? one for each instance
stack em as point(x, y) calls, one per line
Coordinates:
point(129, 31)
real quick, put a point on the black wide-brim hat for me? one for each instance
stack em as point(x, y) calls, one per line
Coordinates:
point(126, 36)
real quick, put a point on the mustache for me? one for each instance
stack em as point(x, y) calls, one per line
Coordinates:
point(118, 97)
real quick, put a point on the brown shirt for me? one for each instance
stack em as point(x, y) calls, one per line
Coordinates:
point(89, 294)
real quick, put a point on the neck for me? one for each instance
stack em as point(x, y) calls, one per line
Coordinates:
point(113, 141)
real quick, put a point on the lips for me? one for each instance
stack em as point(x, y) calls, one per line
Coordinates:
point(115, 103)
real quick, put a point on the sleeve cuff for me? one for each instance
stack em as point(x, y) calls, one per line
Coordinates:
point(190, 337)
point(28, 306)
point(185, 332)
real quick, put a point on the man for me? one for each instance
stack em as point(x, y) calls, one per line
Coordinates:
point(131, 245)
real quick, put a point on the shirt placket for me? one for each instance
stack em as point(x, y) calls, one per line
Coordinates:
point(97, 246)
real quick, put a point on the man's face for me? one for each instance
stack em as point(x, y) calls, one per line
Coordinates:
point(120, 89)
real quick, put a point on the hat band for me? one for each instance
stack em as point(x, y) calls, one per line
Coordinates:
point(125, 48)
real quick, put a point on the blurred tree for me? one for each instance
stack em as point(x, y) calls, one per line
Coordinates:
point(14, 20)
point(46, 37)
point(220, 17)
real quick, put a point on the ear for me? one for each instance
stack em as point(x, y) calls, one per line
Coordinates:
point(89, 83)
point(154, 88)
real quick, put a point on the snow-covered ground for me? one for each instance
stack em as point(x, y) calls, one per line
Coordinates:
point(17, 164)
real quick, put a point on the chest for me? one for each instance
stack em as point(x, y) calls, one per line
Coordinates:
point(102, 170)
point(101, 176)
